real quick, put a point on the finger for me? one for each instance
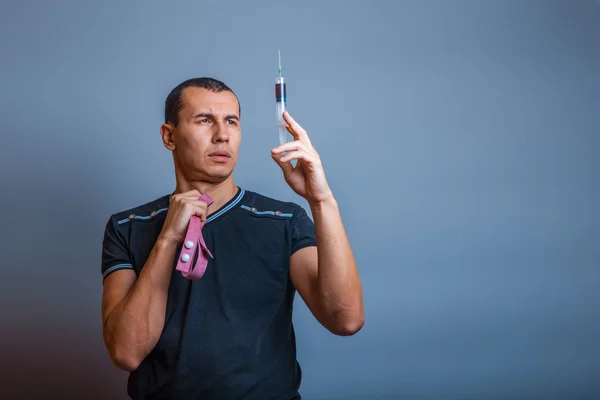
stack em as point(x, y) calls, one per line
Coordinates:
point(299, 155)
point(290, 146)
point(193, 195)
point(198, 203)
point(196, 207)
point(295, 129)
point(188, 195)
point(286, 167)
point(200, 212)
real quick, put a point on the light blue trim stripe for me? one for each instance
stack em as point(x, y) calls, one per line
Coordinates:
point(266, 212)
point(143, 217)
point(116, 267)
point(146, 217)
point(229, 207)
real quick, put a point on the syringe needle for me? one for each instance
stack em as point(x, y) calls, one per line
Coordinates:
point(279, 53)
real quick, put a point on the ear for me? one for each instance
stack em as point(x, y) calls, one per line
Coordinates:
point(166, 131)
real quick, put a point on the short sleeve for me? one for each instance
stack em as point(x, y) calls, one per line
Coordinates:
point(115, 254)
point(303, 231)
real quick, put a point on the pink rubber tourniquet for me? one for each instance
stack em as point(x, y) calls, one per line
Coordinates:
point(193, 239)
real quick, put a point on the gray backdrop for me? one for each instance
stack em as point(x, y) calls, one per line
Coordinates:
point(460, 138)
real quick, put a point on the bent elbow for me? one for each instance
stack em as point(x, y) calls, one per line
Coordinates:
point(349, 328)
point(125, 361)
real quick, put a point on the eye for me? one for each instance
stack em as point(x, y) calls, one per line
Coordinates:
point(204, 120)
point(231, 122)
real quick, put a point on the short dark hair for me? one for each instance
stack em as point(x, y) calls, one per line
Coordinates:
point(173, 103)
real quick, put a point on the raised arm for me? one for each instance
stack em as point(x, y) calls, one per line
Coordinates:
point(325, 275)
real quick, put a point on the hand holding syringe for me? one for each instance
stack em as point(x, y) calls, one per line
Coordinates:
point(306, 177)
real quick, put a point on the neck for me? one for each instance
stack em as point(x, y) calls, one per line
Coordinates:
point(220, 192)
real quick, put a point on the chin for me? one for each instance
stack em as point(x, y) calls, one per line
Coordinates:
point(214, 173)
point(219, 176)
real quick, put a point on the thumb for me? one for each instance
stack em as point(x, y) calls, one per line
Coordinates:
point(286, 166)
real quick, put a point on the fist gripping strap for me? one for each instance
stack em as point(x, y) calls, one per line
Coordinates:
point(194, 241)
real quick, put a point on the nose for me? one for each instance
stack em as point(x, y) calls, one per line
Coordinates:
point(220, 133)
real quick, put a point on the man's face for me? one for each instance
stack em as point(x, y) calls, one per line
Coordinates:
point(207, 139)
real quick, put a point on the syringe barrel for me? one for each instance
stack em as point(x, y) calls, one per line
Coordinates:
point(280, 108)
point(280, 99)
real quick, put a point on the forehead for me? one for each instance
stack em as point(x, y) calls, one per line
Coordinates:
point(195, 100)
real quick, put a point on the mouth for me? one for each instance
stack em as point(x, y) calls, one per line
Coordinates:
point(220, 156)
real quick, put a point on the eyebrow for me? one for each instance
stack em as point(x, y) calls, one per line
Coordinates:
point(212, 116)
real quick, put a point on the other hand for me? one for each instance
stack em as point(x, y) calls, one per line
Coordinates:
point(183, 207)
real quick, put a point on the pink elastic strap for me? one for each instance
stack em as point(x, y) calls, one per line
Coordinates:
point(193, 239)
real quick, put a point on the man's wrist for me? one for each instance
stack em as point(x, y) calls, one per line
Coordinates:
point(165, 243)
point(327, 203)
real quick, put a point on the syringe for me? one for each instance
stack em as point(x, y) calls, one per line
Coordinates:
point(280, 99)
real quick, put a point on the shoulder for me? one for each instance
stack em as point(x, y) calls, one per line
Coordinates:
point(143, 212)
point(262, 205)
point(274, 214)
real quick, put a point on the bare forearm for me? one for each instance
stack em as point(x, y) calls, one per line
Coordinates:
point(133, 328)
point(338, 281)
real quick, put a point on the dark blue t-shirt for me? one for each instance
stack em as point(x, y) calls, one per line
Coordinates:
point(228, 335)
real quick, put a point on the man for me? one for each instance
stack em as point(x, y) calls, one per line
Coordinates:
point(228, 335)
